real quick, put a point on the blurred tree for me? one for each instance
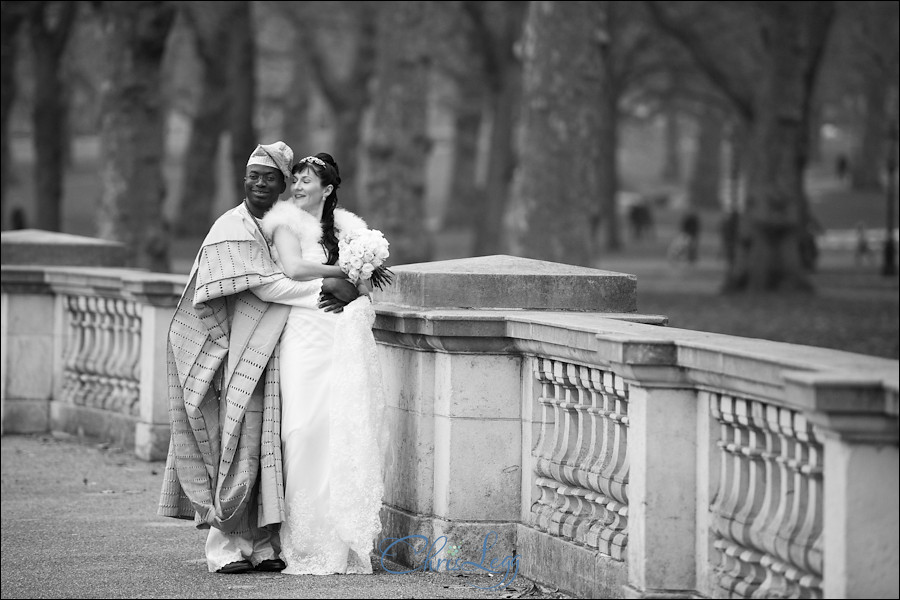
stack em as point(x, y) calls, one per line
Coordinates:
point(295, 98)
point(398, 145)
point(764, 57)
point(342, 73)
point(49, 25)
point(132, 129)
point(469, 173)
point(495, 28)
point(241, 69)
point(671, 171)
point(224, 45)
point(628, 56)
point(641, 73)
point(556, 185)
point(12, 16)
point(677, 86)
point(873, 32)
point(705, 181)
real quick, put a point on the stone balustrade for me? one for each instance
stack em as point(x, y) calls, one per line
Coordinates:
point(619, 458)
point(539, 426)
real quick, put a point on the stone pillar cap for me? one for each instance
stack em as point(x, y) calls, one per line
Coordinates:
point(510, 282)
point(40, 247)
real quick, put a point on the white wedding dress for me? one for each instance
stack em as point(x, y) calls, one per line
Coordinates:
point(332, 437)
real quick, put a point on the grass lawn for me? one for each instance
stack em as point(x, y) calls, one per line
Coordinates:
point(854, 308)
point(850, 310)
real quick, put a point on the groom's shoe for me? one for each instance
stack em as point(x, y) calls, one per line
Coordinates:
point(271, 564)
point(238, 566)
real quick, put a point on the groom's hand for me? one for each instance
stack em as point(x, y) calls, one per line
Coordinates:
point(336, 294)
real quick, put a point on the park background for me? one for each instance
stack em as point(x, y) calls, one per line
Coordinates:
point(410, 97)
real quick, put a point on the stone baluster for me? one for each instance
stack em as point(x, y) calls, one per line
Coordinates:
point(112, 365)
point(93, 353)
point(122, 365)
point(105, 355)
point(102, 354)
point(768, 508)
point(740, 497)
point(84, 365)
point(609, 468)
point(545, 504)
point(132, 364)
point(73, 342)
point(581, 457)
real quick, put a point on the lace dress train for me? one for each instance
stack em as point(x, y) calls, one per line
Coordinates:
point(332, 440)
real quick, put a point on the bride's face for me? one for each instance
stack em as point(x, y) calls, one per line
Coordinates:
point(307, 191)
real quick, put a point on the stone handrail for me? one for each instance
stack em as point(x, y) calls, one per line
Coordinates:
point(653, 460)
point(84, 353)
point(593, 450)
point(619, 458)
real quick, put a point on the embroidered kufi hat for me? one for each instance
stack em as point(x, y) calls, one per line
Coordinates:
point(278, 155)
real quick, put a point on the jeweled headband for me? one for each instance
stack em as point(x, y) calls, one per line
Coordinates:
point(313, 159)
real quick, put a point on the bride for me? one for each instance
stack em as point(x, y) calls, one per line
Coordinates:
point(332, 400)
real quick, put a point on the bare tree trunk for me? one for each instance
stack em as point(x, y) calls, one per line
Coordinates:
point(556, 184)
point(773, 229)
point(50, 24)
point(242, 99)
point(888, 258)
point(780, 248)
point(13, 17)
point(607, 166)
point(613, 19)
point(296, 108)
point(466, 191)
point(777, 246)
point(503, 74)
point(131, 130)
point(346, 90)
point(706, 174)
point(399, 144)
point(865, 168)
point(347, 136)
point(198, 194)
point(671, 172)
point(489, 238)
point(210, 25)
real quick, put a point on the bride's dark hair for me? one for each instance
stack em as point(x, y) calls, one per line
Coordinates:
point(329, 174)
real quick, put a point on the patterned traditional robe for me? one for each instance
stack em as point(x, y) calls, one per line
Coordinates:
point(222, 341)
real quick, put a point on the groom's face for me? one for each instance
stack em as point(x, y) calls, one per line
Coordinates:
point(263, 185)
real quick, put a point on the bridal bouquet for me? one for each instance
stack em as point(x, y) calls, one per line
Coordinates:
point(361, 255)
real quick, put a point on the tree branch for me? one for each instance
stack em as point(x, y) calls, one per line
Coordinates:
point(727, 80)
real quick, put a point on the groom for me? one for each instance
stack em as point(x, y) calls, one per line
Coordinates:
point(224, 464)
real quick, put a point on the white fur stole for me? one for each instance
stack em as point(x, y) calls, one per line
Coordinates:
point(296, 220)
point(344, 221)
point(303, 225)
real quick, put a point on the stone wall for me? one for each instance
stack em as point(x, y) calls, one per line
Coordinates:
point(539, 427)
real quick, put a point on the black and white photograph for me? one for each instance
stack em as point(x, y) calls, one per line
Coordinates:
point(480, 299)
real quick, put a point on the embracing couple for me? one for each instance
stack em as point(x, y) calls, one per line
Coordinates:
point(275, 400)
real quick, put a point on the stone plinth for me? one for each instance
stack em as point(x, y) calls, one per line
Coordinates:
point(38, 247)
point(452, 355)
point(509, 282)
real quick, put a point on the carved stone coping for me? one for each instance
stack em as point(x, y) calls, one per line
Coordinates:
point(510, 282)
point(846, 393)
point(156, 289)
point(39, 247)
